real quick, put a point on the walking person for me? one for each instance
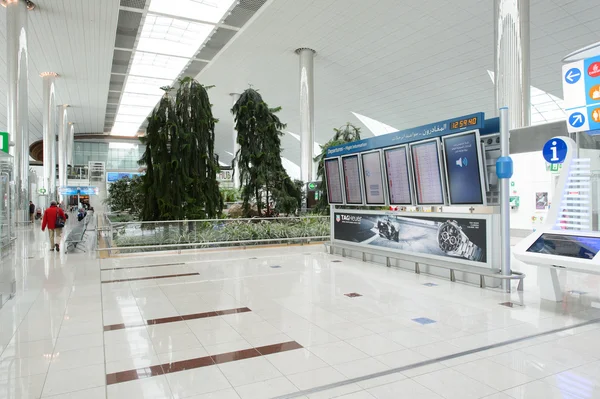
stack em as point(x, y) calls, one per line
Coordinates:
point(31, 211)
point(54, 218)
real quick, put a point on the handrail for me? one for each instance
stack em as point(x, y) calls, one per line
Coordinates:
point(257, 219)
point(482, 274)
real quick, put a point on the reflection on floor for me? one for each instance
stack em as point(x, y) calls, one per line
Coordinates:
point(225, 325)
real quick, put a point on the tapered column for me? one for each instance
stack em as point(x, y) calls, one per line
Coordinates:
point(236, 170)
point(307, 111)
point(17, 101)
point(49, 135)
point(63, 131)
point(70, 142)
point(512, 64)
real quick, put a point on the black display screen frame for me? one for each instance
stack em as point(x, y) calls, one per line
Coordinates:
point(549, 240)
point(360, 185)
point(328, 181)
point(409, 175)
point(364, 176)
point(440, 171)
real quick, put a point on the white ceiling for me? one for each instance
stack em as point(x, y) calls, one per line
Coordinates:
point(74, 38)
point(403, 63)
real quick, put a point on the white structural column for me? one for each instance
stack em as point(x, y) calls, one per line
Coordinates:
point(236, 170)
point(49, 135)
point(512, 60)
point(70, 142)
point(63, 132)
point(17, 102)
point(307, 112)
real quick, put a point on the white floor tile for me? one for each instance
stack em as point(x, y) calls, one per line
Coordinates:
point(64, 381)
point(23, 367)
point(451, 384)
point(295, 361)
point(92, 393)
point(187, 383)
point(374, 345)
point(153, 387)
point(493, 374)
point(406, 389)
point(313, 336)
point(266, 389)
point(224, 394)
point(530, 365)
point(357, 395)
point(77, 358)
point(316, 378)
point(22, 388)
point(79, 342)
point(249, 371)
point(338, 352)
point(541, 390)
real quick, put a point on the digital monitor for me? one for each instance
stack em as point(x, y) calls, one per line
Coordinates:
point(373, 178)
point(398, 176)
point(581, 247)
point(427, 172)
point(334, 181)
point(462, 153)
point(352, 185)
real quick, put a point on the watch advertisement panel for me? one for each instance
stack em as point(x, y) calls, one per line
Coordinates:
point(452, 237)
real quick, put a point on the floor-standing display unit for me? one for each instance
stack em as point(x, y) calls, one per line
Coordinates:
point(441, 176)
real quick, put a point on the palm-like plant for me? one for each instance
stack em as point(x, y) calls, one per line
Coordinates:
point(262, 174)
point(344, 134)
point(181, 166)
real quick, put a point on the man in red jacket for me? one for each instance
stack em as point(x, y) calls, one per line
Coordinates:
point(49, 220)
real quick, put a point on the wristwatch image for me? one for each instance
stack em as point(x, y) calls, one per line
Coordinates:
point(453, 241)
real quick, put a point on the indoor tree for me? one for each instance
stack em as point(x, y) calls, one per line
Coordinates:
point(344, 134)
point(181, 167)
point(125, 195)
point(262, 175)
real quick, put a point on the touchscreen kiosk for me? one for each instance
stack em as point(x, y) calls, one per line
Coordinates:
point(427, 172)
point(373, 178)
point(462, 156)
point(352, 186)
point(334, 181)
point(398, 176)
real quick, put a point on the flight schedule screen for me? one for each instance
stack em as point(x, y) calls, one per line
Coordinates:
point(352, 180)
point(397, 175)
point(373, 175)
point(334, 181)
point(464, 169)
point(428, 179)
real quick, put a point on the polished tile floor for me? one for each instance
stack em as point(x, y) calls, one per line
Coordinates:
point(230, 325)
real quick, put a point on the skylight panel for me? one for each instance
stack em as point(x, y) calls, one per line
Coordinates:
point(157, 66)
point(125, 129)
point(170, 36)
point(139, 99)
point(201, 10)
point(376, 127)
point(143, 85)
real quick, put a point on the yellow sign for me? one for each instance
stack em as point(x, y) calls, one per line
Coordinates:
point(596, 115)
point(595, 93)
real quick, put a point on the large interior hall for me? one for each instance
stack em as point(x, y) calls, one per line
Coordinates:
point(279, 199)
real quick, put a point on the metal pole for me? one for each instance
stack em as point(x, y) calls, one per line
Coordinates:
point(62, 150)
point(504, 170)
point(307, 112)
point(17, 62)
point(512, 60)
point(236, 170)
point(49, 114)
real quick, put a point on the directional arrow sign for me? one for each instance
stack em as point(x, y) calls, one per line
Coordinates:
point(572, 75)
point(577, 119)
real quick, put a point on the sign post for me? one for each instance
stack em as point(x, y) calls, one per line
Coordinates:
point(581, 90)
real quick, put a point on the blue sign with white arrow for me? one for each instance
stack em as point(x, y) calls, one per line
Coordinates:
point(573, 75)
point(577, 119)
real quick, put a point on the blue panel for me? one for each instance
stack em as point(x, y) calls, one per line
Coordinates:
point(491, 126)
point(442, 128)
point(504, 168)
point(424, 320)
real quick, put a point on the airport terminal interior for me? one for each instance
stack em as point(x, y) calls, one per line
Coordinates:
point(273, 199)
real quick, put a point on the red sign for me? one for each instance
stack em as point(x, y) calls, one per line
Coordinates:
point(594, 69)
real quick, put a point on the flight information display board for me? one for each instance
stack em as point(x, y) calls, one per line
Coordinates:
point(398, 176)
point(352, 184)
point(373, 178)
point(573, 246)
point(427, 172)
point(462, 154)
point(334, 181)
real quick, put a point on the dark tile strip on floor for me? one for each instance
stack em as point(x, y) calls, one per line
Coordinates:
point(150, 278)
point(143, 266)
point(152, 371)
point(174, 319)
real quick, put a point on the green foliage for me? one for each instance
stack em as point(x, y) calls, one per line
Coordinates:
point(345, 134)
point(121, 218)
point(225, 231)
point(262, 174)
point(230, 194)
point(125, 195)
point(181, 166)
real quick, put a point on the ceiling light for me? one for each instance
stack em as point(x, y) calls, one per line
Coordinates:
point(201, 10)
point(125, 129)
